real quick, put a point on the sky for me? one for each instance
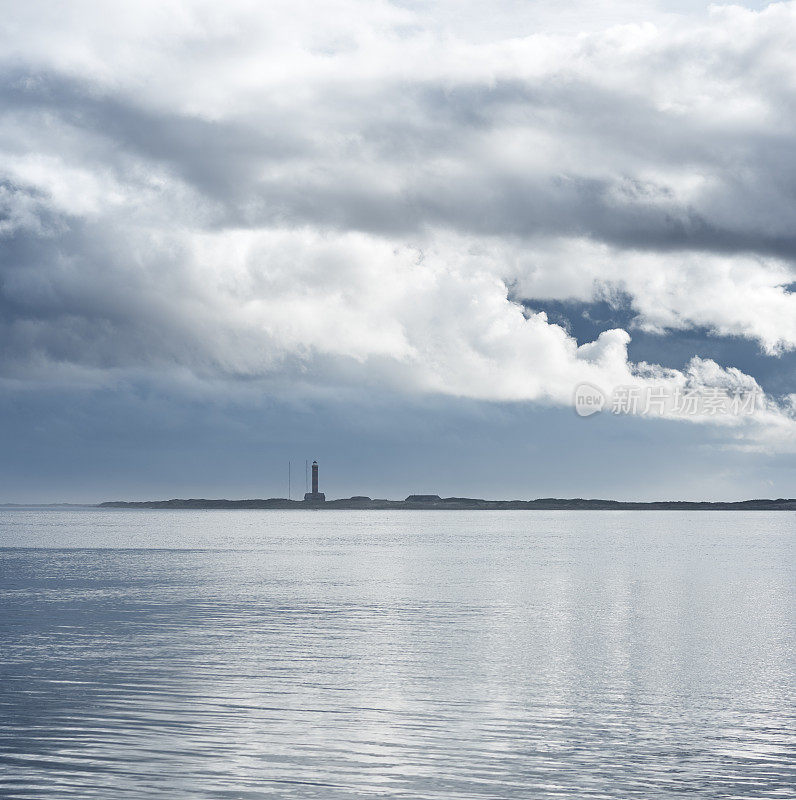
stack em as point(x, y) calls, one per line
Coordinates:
point(398, 238)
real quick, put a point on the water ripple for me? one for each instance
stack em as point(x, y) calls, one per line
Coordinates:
point(397, 655)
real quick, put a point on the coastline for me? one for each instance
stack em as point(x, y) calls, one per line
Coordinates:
point(461, 504)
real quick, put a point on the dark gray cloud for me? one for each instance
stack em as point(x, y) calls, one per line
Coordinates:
point(410, 128)
point(215, 156)
point(322, 209)
point(89, 446)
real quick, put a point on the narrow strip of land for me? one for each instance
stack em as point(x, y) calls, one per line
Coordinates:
point(436, 503)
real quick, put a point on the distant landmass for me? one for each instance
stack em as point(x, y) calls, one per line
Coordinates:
point(48, 505)
point(433, 502)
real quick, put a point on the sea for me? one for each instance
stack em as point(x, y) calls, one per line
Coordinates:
point(396, 654)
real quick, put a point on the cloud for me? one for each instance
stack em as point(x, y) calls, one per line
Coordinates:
point(247, 195)
point(741, 294)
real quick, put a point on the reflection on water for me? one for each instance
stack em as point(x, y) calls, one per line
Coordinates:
point(241, 654)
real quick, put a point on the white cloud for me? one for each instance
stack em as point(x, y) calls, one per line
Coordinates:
point(730, 294)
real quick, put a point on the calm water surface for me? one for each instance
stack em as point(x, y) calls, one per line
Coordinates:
point(254, 654)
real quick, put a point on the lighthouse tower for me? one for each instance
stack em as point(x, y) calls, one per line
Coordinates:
point(315, 496)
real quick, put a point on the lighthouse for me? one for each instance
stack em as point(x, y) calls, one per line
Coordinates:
point(315, 496)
